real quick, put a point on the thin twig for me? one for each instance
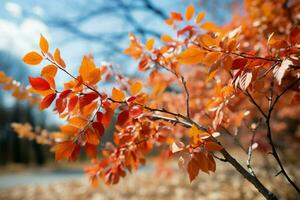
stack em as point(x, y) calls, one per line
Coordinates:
point(269, 133)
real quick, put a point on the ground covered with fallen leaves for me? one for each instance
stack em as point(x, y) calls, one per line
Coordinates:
point(225, 184)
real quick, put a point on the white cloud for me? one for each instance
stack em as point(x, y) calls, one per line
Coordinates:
point(38, 11)
point(19, 39)
point(14, 9)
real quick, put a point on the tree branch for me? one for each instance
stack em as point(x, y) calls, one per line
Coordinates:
point(269, 133)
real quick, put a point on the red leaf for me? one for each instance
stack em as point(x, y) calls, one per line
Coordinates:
point(99, 128)
point(239, 63)
point(64, 93)
point(72, 103)
point(60, 105)
point(87, 99)
point(123, 117)
point(295, 36)
point(39, 83)
point(136, 111)
point(46, 102)
point(99, 116)
point(91, 150)
point(193, 169)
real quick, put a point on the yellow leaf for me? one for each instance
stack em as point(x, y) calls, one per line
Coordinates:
point(87, 66)
point(189, 13)
point(78, 121)
point(200, 17)
point(197, 135)
point(135, 88)
point(166, 38)
point(117, 95)
point(149, 44)
point(32, 58)
point(192, 55)
point(44, 44)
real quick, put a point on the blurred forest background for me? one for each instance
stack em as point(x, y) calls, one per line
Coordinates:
point(78, 28)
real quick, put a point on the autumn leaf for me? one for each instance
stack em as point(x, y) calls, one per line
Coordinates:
point(190, 56)
point(58, 58)
point(135, 88)
point(210, 27)
point(60, 104)
point(117, 95)
point(94, 76)
point(149, 44)
point(279, 70)
point(189, 13)
point(86, 67)
point(78, 121)
point(44, 44)
point(49, 71)
point(176, 16)
point(92, 137)
point(166, 38)
point(122, 117)
point(72, 103)
point(69, 129)
point(200, 17)
point(46, 102)
point(212, 146)
point(64, 150)
point(91, 150)
point(32, 58)
point(39, 83)
point(193, 169)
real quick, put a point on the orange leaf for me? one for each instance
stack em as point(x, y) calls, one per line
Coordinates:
point(32, 58)
point(210, 26)
point(94, 76)
point(58, 58)
point(149, 44)
point(64, 150)
point(193, 169)
point(78, 121)
point(166, 38)
point(176, 16)
point(135, 88)
point(212, 146)
point(189, 13)
point(117, 95)
point(91, 150)
point(44, 44)
point(49, 70)
point(39, 83)
point(200, 17)
point(86, 67)
point(46, 102)
point(69, 129)
point(92, 137)
point(169, 21)
point(191, 56)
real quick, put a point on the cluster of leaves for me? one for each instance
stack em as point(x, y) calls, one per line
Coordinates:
point(218, 77)
point(19, 91)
